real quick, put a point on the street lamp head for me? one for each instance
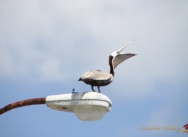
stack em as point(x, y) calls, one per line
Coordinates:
point(88, 106)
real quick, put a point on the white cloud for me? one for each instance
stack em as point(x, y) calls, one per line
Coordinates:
point(48, 40)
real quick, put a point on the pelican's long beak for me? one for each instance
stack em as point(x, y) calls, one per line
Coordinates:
point(118, 57)
point(125, 46)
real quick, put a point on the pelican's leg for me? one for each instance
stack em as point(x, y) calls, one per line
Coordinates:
point(92, 88)
point(99, 89)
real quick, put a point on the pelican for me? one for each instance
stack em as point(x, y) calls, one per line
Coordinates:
point(99, 78)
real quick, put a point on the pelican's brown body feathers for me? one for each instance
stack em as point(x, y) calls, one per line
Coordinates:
point(96, 78)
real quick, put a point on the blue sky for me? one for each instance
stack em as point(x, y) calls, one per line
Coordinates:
point(45, 46)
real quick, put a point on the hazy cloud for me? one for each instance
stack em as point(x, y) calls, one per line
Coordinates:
point(55, 41)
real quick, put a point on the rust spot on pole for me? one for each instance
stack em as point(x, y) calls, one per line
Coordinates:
point(27, 102)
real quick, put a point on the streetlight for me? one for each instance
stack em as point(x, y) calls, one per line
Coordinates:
point(88, 106)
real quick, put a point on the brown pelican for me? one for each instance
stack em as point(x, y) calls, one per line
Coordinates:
point(99, 78)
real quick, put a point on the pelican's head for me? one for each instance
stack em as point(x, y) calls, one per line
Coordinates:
point(117, 57)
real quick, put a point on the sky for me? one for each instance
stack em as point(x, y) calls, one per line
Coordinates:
point(45, 46)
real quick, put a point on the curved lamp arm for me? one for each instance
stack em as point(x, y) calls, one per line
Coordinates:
point(27, 102)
